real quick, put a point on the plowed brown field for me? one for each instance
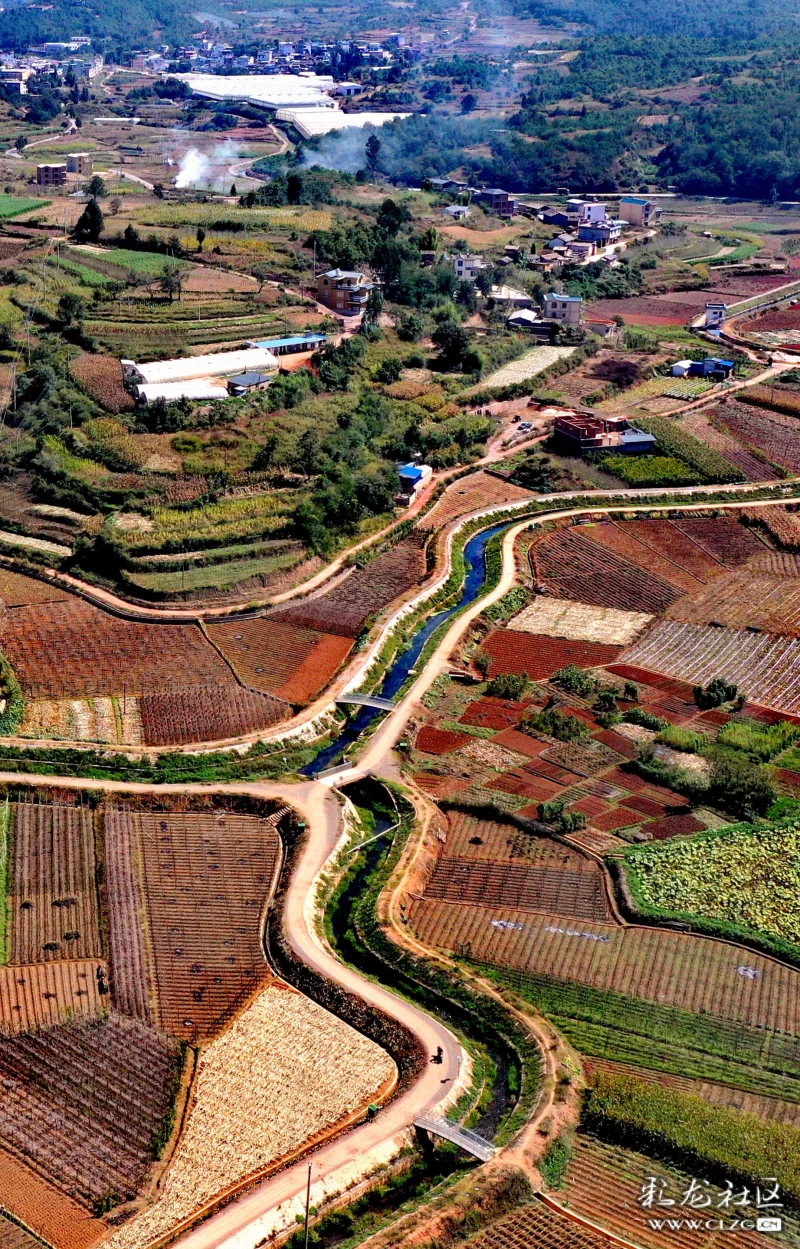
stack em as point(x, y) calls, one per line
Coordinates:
point(292, 662)
point(43, 994)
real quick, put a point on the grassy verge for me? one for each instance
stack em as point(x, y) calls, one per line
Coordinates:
point(10, 694)
point(664, 1038)
point(263, 761)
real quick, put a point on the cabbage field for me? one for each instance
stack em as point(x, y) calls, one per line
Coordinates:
point(745, 876)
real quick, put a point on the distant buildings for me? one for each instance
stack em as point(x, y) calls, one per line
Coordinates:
point(413, 478)
point(576, 434)
point(602, 232)
point(16, 79)
point(51, 175)
point(564, 308)
point(79, 163)
point(344, 290)
point(638, 211)
point(712, 368)
point(458, 212)
point(467, 266)
point(498, 202)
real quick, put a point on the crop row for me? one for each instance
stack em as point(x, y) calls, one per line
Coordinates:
point(675, 441)
point(682, 970)
point(765, 668)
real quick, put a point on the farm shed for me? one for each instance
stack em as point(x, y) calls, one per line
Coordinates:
point(287, 346)
point(193, 388)
point(243, 383)
point(219, 364)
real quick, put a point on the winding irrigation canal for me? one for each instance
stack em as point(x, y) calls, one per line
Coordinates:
point(401, 668)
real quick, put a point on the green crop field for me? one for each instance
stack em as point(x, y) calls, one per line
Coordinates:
point(147, 264)
point(747, 875)
point(14, 205)
point(625, 1029)
point(213, 576)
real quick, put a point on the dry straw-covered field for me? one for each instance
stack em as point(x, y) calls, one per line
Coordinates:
point(283, 1072)
point(581, 622)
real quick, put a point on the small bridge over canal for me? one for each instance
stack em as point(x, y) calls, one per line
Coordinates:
point(366, 700)
point(470, 1142)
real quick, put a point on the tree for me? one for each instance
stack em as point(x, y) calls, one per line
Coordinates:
point(171, 282)
point(453, 344)
point(261, 273)
point(372, 310)
point(20, 143)
point(391, 216)
point(71, 308)
point(468, 102)
point(114, 205)
point(388, 370)
point(411, 328)
point(200, 235)
point(89, 225)
point(96, 187)
point(373, 151)
point(484, 280)
point(429, 239)
point(233, 190)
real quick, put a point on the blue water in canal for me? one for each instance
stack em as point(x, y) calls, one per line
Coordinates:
point(396, 676)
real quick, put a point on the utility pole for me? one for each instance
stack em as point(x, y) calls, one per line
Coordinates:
point(308, 1204)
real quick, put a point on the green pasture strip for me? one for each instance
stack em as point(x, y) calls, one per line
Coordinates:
point(217, 576)
point(14, 205)
point(665, 1038)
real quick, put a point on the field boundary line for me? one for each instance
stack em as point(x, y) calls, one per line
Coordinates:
point(303, 724)
point(582, 1221)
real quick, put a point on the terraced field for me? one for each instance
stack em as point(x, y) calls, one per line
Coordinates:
point(764, 667)
point(287, 660)
point(690, 972)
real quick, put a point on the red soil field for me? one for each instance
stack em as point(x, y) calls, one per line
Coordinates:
point(204, 715)
point(474, 838)
point(81, 1103)
point(671, 545)
point(541, 656)
point(784, 528)
point(17, 590)
point(73, 650)
point(471, 494)
point(494, 713)
point(129, 981)
point(774, 319)
point(603, 1184)
point(288, 660)
point(674, 826)
point(206, 880)
point(745, 600)
point(40, 995)
point(674, 969)
point(53, 906)
point(439, 741)
point(646, 310)
point(572, 566)
point(58, 1219)
point(537, 1227)
point(727, 540)
point(770, 432)
point(101, 378)
point(576, 890)
point(14, 1237)
point(347, 606)
point(754, 469)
